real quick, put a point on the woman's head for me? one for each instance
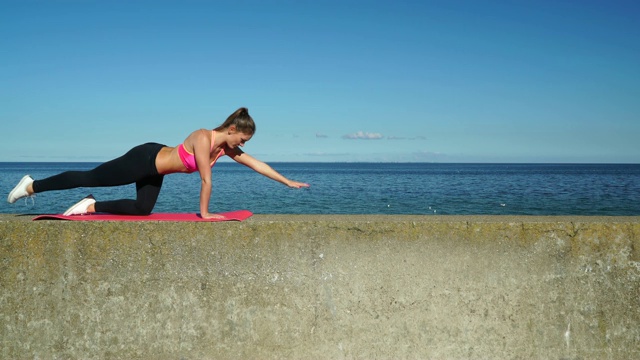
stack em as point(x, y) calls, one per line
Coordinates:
point(241, 120)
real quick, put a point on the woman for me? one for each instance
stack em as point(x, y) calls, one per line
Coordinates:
point(145, 165)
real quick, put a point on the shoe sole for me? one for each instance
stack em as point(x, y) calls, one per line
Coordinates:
point(24, 179)
point(84, 202)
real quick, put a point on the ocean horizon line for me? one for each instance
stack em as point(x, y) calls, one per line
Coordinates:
point(229, 161)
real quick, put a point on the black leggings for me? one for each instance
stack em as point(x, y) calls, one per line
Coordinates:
point(136, 166)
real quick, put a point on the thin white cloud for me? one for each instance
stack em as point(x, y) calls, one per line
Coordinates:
point(429, 156)
point(361, 135)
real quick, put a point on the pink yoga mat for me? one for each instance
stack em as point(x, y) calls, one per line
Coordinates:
point(237, 215)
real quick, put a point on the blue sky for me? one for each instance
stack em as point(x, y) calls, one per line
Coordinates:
point(432, 81)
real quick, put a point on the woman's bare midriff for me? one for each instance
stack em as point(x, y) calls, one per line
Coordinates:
point(168, 161)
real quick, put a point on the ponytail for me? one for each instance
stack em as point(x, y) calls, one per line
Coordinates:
point(242, 121)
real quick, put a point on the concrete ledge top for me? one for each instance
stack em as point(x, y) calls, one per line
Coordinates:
point(402, 218)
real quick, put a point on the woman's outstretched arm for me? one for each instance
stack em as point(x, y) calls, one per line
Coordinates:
point(262, 168)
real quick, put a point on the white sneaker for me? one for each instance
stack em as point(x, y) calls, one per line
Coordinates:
point(81, 206)
point(20, 191)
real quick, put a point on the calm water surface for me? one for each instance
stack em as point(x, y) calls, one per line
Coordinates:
point(371, 188)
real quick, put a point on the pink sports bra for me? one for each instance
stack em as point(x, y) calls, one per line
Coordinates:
point(189, 160)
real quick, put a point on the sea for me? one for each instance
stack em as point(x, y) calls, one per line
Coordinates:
point(369, 188)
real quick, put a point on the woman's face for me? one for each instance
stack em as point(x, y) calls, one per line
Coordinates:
point(237, 138)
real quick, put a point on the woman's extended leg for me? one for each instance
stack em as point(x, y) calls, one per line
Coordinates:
point(136, 166)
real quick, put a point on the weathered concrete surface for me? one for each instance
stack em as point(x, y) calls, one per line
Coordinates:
point(322, 287)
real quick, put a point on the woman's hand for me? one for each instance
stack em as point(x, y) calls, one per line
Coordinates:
point(212, 216)
point(296, 184)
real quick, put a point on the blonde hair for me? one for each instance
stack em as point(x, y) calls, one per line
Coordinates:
point(242, 121)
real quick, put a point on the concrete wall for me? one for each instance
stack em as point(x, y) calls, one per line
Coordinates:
point(322, 287)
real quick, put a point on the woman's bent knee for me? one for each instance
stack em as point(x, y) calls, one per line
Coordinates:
point(143, 210)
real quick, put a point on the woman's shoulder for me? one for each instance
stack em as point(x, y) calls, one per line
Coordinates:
point(200, 133)
point(197, 136)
